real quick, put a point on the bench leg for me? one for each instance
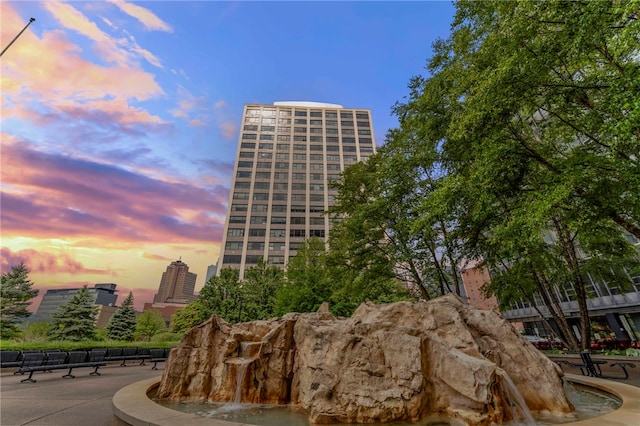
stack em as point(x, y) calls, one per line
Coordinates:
point(142, 362)
point(28, 379)
point(155, 366)
point(95, 372)
point(69, 374)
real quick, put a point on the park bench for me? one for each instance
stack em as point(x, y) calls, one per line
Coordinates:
point(10, 359)
point(49, 361)
point(127, 354)
point(158, 355)
point(591, 367)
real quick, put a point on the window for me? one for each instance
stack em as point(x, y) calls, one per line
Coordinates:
point(252, 259)
point(284, 120)
point(244, 154)
point(298, 186)
point(347, 115)
point(285, 113)
point(363, 124)
point(259, 220)
point(331, 157)
point(260, 197)
point(332, 176)
point(315, 148)
point(315, 122)
point(250, 127)
point(278, 220)
point(348, 131)
point(282, 156)
point(364, 132)
point(243, 185)
point(298, 197)
point(316, 233)
point(300, 130)
point(279, 197)
point(299, 209)
point(299, 176)
point(349, 148)
point(316, 114)
point(317, 176)
point(366, 141)
point(232, 258)
point(315, 130)
point(362, 116)
point(297, 233)
point(333, 148)
point(279, 208)
point(276, 260)
point(240, 195)
point(238, 207)
point(283, 146)
point(265, 155)
point(315, 157)
point(268, 121)
point(259, 208)
point(283, 138)
point(263, 175)
point(266, 137)
point(315, 139)
point(245, 164)
point(280, 186)
point(352, 158)
point(299, 139)
point(235, 232)
point(263, 165)
point(348, 140)
point(332, 122)
point(281, 175)
point(297, 220)
point(261, 185)
point(316, 221)
point(255, 245)
point(366, 149)
point(257, 232)
point(346, 123)
point(316, 209)
point(333, 166)
point(252, 120)
point(332, 131)
point(316, 187)
point(300, 121)
point(233, 245)
point(265, 145)
point(301, 113)
point(276, 246)
point(299, 147)
point(294, 246)
point(299, 166)
point(249, 136)
point(316, 197)
point(299, 156)
point(277, 233)
point(248, 145)
point(332, 139)
point(282, 165)
point(268, 128)
point(284, 130)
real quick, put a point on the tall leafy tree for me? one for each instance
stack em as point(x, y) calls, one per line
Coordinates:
point(15, 293)
point(259, 289)
point(76, 319)
point(148, 324)
point(122, 324)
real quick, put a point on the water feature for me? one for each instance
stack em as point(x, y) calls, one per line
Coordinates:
point(589, 403)
point(517, 407)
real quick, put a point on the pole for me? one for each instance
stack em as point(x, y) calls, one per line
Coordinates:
point(19, 34)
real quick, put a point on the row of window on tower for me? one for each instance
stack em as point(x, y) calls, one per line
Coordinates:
point(275, 233)
point(274, 112)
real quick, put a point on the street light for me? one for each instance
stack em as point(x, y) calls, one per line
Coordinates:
point(16, 37)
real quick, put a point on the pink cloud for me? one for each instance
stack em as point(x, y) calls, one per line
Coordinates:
point(45, 263)
point(145, 16)
point(228, 129)
point(152, 256)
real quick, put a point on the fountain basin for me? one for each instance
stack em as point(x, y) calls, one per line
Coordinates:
point(132, 406)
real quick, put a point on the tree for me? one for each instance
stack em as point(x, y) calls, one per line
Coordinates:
point(148, 324)
point(259, 290)
point(15, 293)
point(76, 319)
point(122, 323)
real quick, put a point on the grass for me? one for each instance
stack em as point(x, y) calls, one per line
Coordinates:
point(67, 345)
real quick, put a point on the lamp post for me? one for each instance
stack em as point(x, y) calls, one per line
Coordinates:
point(16, 37)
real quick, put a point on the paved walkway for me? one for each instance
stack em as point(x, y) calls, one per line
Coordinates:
point(86, 400)
point(54, 401)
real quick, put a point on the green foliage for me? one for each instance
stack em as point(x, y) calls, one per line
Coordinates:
point(67, 345)
point(166, 337)
point(193, 314)
point(15, 293)
point(259, 289)
point(148, 324)
point(122, 323)
point(76, 319)
point(35, 331)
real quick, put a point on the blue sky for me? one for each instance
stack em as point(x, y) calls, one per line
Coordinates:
point(120, 119)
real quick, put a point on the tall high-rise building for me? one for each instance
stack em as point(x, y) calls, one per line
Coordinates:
point(287, 154)
point(102, 294)
point(177, 284)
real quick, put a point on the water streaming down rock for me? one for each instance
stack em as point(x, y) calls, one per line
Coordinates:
point(516, 405)
point(401, 361)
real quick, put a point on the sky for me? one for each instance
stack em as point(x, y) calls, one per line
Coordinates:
point(120, 119)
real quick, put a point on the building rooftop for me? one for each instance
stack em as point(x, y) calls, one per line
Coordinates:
point(307, 104)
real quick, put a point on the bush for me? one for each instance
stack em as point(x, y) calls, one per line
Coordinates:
point(166, 337)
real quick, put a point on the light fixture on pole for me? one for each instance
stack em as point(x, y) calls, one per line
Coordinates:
point(16, 37)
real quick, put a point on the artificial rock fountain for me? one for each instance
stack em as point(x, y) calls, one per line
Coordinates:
point(401, 361)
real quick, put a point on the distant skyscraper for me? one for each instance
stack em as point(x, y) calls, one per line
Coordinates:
point(177, 284)
point(211, 271)
point(287, 154)
point(102, 294)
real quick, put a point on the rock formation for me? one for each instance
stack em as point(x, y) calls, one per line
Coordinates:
point(401, 361)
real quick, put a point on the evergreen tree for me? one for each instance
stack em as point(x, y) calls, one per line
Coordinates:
point(76, 319)
point(122, 324)
point(148, 324)
point(15, 293)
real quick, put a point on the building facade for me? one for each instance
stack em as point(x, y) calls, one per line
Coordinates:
point(177, 284)
point(287, 154)
point(102, 294)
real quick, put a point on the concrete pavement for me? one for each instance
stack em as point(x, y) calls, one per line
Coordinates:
point(56, 401)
